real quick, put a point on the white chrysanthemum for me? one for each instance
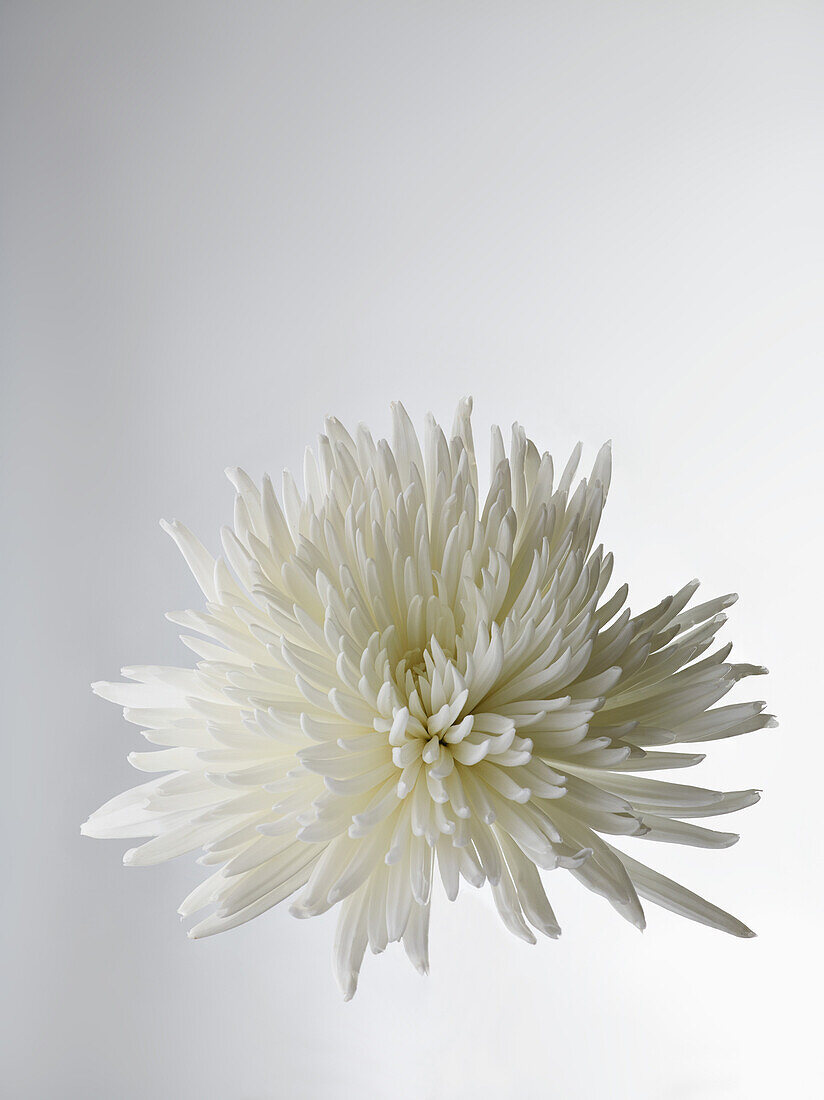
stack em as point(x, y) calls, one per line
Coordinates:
point(401, 676)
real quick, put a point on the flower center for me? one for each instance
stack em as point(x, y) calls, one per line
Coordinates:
point(440, 743)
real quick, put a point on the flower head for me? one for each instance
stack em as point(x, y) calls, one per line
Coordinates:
point(398, 677)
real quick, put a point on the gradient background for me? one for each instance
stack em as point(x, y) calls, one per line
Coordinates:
point(222, 221)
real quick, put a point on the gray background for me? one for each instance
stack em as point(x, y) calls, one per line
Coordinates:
point(222, 221)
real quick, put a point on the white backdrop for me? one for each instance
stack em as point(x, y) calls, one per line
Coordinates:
point(222, 221)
